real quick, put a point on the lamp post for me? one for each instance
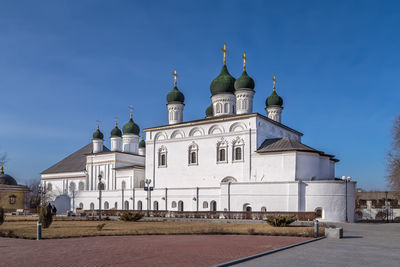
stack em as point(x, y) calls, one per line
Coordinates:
point(346, 180)
point(101, 187)
point(42, 192)
point(386, 207)
point(148, 189)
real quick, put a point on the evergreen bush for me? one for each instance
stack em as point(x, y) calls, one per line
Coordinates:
point(131, 216)
point(100, 226)
point(1, 215)
point(46, 215)
point(280, 221)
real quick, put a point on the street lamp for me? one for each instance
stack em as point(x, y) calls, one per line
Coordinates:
point(101, 187)
point(346, 180)
point(148, 189)
point(386, 207)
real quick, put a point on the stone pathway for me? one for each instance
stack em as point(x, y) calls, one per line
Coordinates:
point(154, 250)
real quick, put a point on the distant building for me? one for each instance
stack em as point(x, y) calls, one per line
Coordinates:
point(377, 205)
point(12, 195)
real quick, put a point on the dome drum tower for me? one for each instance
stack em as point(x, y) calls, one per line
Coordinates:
point(244, 91)
point(175, 100)
point(274, 104)
point(116, 138)
point(130, 138)
point(98, 140)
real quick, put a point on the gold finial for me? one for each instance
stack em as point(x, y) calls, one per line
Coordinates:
point(225, 52)
point(116, 121)
point(131, 111)
point(244, 60)
point(274, 82)
point(175, 76)
point(2, 166)
point(98, 124)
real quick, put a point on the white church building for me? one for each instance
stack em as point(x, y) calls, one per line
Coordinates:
point(232, 160)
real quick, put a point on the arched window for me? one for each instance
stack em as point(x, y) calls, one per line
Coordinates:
point(72, 187)
point(116, 205)
point(155, 205)
point(205, 205)
point(180, 205)
point(263, 209)
point(126, 206)
point(123, 185)
point(173, 204)
point(219, 107)
point(12, 199)
point(92, 206)
point(226, 108)
point(49, 187)
point(238, 146)
point(139, 205)
point(222, 148)
point(162, 157)
point(213, 205)
point(193, 158)
point(246, 207)
point(81, 186)
point(81, 206)
point(106, 205)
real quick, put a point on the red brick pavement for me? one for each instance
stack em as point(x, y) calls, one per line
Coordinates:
point(155, 250)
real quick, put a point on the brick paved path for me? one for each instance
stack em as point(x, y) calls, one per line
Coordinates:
point(156, 250)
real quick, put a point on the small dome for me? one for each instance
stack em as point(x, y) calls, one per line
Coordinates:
point(142, 143)
point(131, 128)
point(116, 132)
point(224, 83)
point(244, 82)
point(209, 111)
point(274, 100)
point(175, 96)
point(6, 179)
point(98, 135)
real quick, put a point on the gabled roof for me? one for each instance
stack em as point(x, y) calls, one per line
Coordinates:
point(73, 163)
point(286, 144)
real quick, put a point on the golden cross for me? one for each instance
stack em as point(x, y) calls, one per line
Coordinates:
point(2, 168)
point(98, 124)
point(175, 76)
point(274, 82)
point(225, 52)
point(116, 121)
point(131, 110)
point(244, 60)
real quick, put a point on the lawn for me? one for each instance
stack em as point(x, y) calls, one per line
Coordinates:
point(82, 228)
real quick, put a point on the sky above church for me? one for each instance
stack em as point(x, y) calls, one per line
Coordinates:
point(66, 64)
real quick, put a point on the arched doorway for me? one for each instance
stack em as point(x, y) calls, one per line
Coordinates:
point(92, 206)
point(213, 205)
point(139, 205)
point(229, 179)
point(126, 205)
point(106, 205)
point(180, 205)
point(155, 205)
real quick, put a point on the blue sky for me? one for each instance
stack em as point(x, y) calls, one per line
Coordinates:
point(66, 64)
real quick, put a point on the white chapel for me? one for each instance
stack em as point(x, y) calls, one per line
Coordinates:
point(234, 159)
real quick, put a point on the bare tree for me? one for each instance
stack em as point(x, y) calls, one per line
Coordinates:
point(394, 158)
point(34, 195)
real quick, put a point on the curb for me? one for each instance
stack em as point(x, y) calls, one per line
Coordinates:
point(240, 260)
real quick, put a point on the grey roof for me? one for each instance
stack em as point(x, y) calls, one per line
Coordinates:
point(73, 163)
point(7, 179)
point(286, 144)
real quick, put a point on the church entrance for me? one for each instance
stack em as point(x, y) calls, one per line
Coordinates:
point(180, 205)
point(213, 205)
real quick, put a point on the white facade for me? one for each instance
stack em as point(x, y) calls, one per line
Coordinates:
point(175, 112)
point(224, 104)
point(244, 101)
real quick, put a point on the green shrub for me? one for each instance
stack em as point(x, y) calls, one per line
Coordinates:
point(131, 216)
point(46, 216)
point(280, 221)
point(100, 226)
point(1, 215)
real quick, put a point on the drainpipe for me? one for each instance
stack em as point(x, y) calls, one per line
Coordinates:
point(229, 196)
point(166, 198)
point(133, 198)
point(197, 198)
point(154, 163)
point(250, 154)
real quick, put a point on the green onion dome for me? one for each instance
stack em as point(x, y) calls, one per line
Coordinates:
point(131, 127)
point(98, 135)
point(223, 84)
point(209, 111)
point(274, 100)
point(175, 96)
point(244, 82)
point(142, 143)
point(116, 132)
